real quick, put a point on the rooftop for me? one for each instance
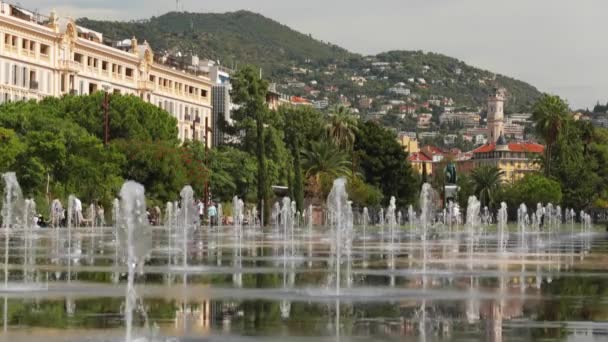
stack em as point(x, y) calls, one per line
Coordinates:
point(528, 147)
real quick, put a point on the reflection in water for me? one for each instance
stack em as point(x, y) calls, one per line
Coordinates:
point(427, 283)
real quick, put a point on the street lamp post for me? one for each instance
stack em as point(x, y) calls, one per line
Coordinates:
point(207, 131)
point(197, 120)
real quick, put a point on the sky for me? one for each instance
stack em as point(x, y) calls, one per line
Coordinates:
point(556, 45)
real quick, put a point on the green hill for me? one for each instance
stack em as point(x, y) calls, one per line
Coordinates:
point(290, 58)
point(233, 38)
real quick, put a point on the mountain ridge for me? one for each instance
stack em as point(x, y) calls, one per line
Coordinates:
point(245, 37)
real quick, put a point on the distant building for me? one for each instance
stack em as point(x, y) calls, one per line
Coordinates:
point(515, 159)
point(427, 158)
point(466, 119)
point(496, 115)
point(424, 120)
point(51, 56)
point(275, 99)
point(399, 90)
point(300, 101)
point(600, 122)
point(366, 103)
point(321, 104)
point(409, 143)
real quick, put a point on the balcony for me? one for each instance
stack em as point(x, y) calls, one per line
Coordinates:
point(146, 85)
point(33, 85)
point(69, 66)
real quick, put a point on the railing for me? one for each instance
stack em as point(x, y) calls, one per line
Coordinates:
point(145, 85)
point(69, 65)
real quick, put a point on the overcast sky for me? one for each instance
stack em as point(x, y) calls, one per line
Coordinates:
point(557, 45)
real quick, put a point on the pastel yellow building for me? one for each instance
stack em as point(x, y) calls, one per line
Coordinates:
point(409, 144)
point(515, 159)
point(51, 56)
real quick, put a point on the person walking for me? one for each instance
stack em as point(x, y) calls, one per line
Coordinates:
point(212, 213)
point(201, 210)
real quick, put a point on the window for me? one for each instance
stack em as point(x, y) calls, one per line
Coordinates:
point(44, 50)
point(129, 72)
point(7, 39)
point(13, 41)
point(7, 73)
point(152, 78)
point(92, 88)
point(24, 75)
point(33, 80)
point(78, 58)
point(104, 66)
point(203, 93)
point(25, 44)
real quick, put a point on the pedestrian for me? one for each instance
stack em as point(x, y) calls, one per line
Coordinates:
point(212, 213)
point(201, 210)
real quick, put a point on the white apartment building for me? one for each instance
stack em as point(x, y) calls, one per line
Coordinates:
point(51, 56)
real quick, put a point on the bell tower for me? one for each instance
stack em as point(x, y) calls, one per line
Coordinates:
point(496, 115)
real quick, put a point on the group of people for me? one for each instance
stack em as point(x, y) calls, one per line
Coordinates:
point(94, 215)
point(212, 214)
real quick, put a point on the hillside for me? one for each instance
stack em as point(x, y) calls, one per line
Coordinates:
point(303, 66)
point(233, 38)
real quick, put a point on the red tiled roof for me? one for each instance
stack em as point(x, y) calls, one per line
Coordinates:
point(432, 149)
point(417, 156)
point(527, 147)
point(513, 147)
point(297, 99)
point(485, 148)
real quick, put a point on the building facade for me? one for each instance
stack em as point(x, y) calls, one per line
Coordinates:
point(51, 56)
point(496, 115)
point(515, 159)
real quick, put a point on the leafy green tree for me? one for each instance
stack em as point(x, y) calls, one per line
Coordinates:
point(550, 114)
point(533, 189)
point(10, 148)
point(159, 167)
point(130, 117)
point(363, 194)
point(233, 173)
point(301, 124)
point(61, 150)
point(384, 164)
point(249, 92)
point(486, 183)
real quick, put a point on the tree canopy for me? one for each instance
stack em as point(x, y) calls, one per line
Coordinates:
point(384, 164)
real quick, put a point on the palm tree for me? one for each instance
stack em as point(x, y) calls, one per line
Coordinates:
point(550, 115)
point(486, 182)
point(323, 158)
point(341, 127)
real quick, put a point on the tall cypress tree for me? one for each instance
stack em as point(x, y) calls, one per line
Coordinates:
point(249, 92)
